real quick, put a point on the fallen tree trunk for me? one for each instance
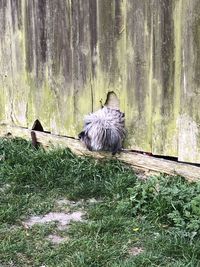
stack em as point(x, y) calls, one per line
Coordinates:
point(136, 160)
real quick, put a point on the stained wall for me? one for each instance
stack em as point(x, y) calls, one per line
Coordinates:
point(59, 59)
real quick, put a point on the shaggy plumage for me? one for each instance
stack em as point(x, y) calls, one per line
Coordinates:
point(104, 130)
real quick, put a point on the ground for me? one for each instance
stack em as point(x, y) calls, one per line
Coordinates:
point(60, 210)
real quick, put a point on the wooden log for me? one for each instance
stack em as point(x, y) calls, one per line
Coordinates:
point(135, 160)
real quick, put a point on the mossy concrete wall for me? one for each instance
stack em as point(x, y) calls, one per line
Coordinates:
point(59, 59)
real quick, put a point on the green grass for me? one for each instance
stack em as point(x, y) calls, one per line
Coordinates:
point(160, 215)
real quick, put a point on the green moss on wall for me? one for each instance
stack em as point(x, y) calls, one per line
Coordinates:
point(61, 58)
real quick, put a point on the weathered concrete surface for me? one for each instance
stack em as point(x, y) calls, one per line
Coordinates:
point(59, 59)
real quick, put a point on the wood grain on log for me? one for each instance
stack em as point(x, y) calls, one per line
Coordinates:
point(135, 160)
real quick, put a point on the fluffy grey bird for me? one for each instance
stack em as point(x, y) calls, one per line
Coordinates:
point(104, 130)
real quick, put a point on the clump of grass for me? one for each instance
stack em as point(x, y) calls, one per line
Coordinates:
point(41, 171)
point(160, 215)
point(170, 201)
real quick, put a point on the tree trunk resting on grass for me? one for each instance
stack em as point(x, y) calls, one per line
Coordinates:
point(136, 160)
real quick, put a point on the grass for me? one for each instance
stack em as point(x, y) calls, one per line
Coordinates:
point(160, 215)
